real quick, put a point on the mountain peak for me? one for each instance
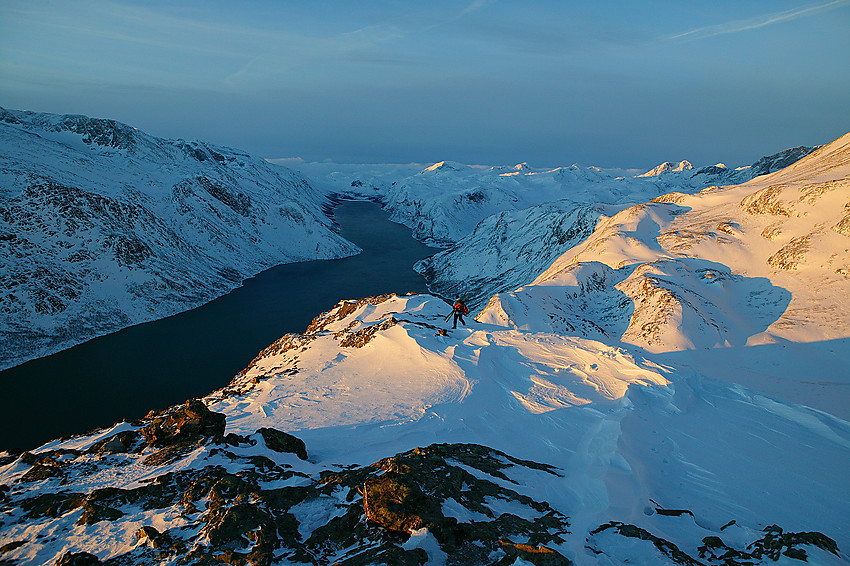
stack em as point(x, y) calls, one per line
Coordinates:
point(94, 132)
point(446, 166)
point(668, 166)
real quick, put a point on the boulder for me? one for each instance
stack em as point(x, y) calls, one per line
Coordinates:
point(191, 422)
point(284, 442)
point(78, 559)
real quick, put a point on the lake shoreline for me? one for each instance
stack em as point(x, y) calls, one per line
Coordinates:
point(123, 375)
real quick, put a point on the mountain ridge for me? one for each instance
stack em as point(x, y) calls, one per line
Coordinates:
point(103, 226)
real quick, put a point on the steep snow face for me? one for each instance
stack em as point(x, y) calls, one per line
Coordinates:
point(103, 226)
point(508, 249)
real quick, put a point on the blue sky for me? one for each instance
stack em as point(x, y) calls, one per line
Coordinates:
point(610, 83)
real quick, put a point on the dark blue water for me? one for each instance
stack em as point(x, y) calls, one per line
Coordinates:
point(154, 365)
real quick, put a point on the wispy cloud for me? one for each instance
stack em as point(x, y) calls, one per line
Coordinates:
point(737, 26)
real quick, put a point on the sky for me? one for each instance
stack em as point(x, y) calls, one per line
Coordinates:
point(612, 83)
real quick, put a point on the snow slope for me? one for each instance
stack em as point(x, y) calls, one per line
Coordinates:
point(511, 248)
point(103, 226)
point(624, 458)
point(761, 266)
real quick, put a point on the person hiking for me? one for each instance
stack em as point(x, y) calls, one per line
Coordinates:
point(459, 310)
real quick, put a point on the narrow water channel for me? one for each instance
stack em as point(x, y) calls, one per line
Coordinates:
point(157, 364)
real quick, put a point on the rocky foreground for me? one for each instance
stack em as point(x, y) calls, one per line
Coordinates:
point(253, 500)
point(643, 472)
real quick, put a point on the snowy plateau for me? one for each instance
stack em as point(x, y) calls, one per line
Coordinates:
point(656, 373)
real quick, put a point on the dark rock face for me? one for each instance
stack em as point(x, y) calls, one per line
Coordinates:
point(781, 160)
point(284, 442)
point(411, 489)
point(237, 201)
point(78, 559)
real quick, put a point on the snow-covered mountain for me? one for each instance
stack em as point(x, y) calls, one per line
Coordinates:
point(445, 202)
point(593, 416)
point(684, 165)
point(509, 249)
point(103, 226)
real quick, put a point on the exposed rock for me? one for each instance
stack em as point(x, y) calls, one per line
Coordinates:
point(95, 513)
point(342, 310)
point(362, 515)
point(45, 465)
point(843, 226)
point(776, 543)
point(791, 254)
point(52, 504)
point(189, 423)
point(781, 160)
point(766, 201)
point(773, 545)
point(360, 338)
point(399, 506)
point(78, 559)
point(772, 232)
point(539, 555)
point(664, 546)
point(731, 228)
point(117, 443)
point(11, 546)
point(284, 442)
point(148, 534)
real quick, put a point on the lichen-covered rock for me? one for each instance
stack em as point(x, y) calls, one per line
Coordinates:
point(791, 254)
point(399, 506)
point(189, 423)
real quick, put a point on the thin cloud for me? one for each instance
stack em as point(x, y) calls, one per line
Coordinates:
point(475, 6)
point(737, 26)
